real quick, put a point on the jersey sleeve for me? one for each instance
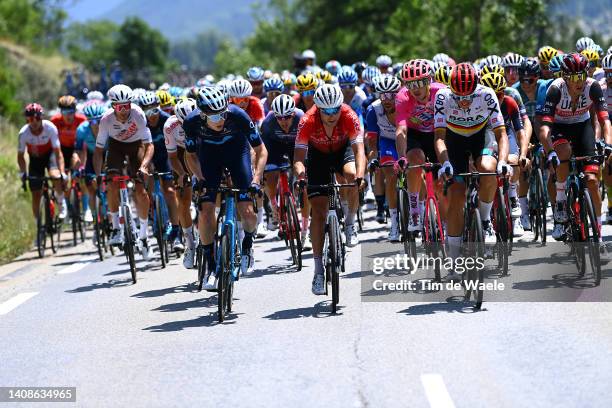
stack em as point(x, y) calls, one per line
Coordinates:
point(21, 146)
point(54, 136)
point(372, 127)
point(350, 122)
point(515, 116)
point(170, 140)
point(599, 101)
point(80, 137)
point(191, 134)
point(440, 110)
point(553, 97)
point(519, 102)
point(303, 133)
point(496, 119)
point(143, 129)
point(103, 132)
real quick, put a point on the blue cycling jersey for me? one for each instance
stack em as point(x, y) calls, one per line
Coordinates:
point(530, 105)
point(84, 134)
point(157, 131)
point(541, 96)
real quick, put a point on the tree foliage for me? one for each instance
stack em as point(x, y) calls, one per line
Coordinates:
point(138, 45)
point(37, 23)
point(92, 43)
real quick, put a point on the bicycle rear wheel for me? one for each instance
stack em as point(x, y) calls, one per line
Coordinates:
point(159, 231)
point(293, 232)
point(74, 214)
point(502, 232)
point(574, 232)
point(98, 234)
point(408, 238)
point(360, 210)
point(542, 204)
point(591, 230)
point(42, 227)
point(334, 273)
point(434, 244)
point(223, 277)
point(475, 275)
point(128, 242)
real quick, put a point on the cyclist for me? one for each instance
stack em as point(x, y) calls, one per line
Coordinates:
point(593, 57)
point(330, 134)
point(583, 43)
point(166, 101)
point(125, 129)
point(218, 136)
point(442, 75)
point(567, 127)
point(156, 119)
point(256, 77)
point(606, 86)
point(306, 85)
point(353, 94)
point(175, 145)
point(272, 87)
point(85, 147)
point(368, 75)
point(384, 63)
point(324, 77)
point(464, 115)
point(278, 133)
point(415, 129)
point(40, 140)
point(333, 67)
point(545, 54)
point(289, 82)
point(511, 65)
point(380, 127)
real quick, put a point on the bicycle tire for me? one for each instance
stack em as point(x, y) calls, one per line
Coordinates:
point(98, 234)
point(42, 227)
point(74, 217)
point(593, 238)
point(223, 277)
point(502, 233)
point(435, 244)
point(201, 263)
point(128, 242)
point(408, 238)
point(231, 280)
point(360, 211)
point(293, 232)
point(334, 275)
point(574, 232)
point(542, 198)
point(159, 230)
point(476, 246)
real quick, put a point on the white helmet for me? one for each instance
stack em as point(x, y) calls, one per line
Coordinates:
point(148, 98)
point(328, 96)
point(211, 100)
point(441, 57)
point(309, 54)
point(164, 87)
point(583, 43)
point(609, 50)
point(240, 88)
point(95, 96)
point(384, 61)
point(493, 60)
point(513, 60)
point(387, 83)
point(283, 105)
point(120, 94)
point(606, 63)
point(184, 108)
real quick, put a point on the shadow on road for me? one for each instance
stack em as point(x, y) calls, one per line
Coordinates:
point(188, 287)
point(321, 309)
point(452, 305)
point(106, 285)
point(202, 321)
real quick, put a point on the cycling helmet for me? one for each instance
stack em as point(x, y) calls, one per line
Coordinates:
point(555, 63)
point(384, 61)
point(289, 79)
point(598, 49)
point(609, 50)
point(487, 69)
point(513, 60)
point(67, 102)
point(437, 65)
point(211, 100)
point(369, 74)
point(137, 92)
point(358, 67)
point(347, 77)
point(463, 79)
point(495, 81)
point(33, 109)
point(184, 108)
point(606, 63)
point(591, 54)
point(306, 82)
point(387, 83)
point(415, 70)
point(493, 60)
point(120, 94)
point(283, 105)
point(273, 84)
point(324, 76)
point(240, 88)
point(175, 91)
point(583, 43)
point(328, 96)
point(441, 57)
point(309, 54)
point(529, 67)
point(95, 96)
point(192, 93)
point(165, 99)
point(574, 63)
point(546, 53)
point(443, 74)
point(94, 111)
point(397, 68)
point(333, 67)
point(255, 74)
point(164, 87)
point(148, 98)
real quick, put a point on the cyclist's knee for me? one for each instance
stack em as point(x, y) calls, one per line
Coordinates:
point(415, 156)
point(564, 151)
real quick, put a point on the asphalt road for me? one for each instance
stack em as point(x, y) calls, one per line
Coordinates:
point(69, 320)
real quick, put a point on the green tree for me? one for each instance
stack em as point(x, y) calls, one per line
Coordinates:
point(138, 46)
point(92, 43)
point(36, 23)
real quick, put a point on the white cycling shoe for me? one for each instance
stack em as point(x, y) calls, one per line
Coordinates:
point(116, 237)
point(188, 258)
point(526, 222)
point(88, 216)
point(318, 284)
point(210, 283)
point(261, 230)
point(352, 239)
point(145, 249)
point(247, 263)
point(394, 235)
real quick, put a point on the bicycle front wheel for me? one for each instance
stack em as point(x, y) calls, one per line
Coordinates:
point(591, 230)
point(542, 205)
point(433, 236)
point(42, 226)
point(223, 277)
point(473, 277)
point(333, 262)
point(98, 234)
point(159, 231)
point(128, 245)
point(293, 232)
point(502, 232)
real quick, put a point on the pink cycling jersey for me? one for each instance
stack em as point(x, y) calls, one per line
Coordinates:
point(410, 113)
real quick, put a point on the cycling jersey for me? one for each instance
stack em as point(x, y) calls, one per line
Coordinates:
point(174, 134)
point(160, 160)
point(541, 96)
point(483, 112)
point(255, 109)
point(513, 122)
point(558, 107)
point(67, 131)
point(516, 95)
point(134, 129)
point(38, 145)
point(278, 143)
point(157, 131)
point(599, 74)
point(86, 137)
point(530, 105)
point(377, 123)
point(312, 133)
point(413, 114)
point(607, 91)
point(266, 106)
point(299, 102)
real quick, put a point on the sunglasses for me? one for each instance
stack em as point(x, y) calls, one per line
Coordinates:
point(575, 77)
point(330, 111)
point(347, 86)
point(122, 107)
point(152, 111)
point(68, 111)
point(217, 117)
point(238, 101)
point(417, 84)
point(387, 96)
point(33, 118)
point(310, 92)
point(511, 70)
point(529, 80)
point(284, 117)
point(464, 98)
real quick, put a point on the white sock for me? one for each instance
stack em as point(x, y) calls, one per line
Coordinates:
point(393, 214)
point(413, 202)
point(524, 205)
point(188, 234)
point(485, 210)
point(560, 191)
point(260, 214)
point(115, 220)
point(454, 246)
point(60, 198)
point(144, 224)
point(512, 191)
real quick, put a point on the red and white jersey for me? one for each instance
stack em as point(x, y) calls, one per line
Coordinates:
point(174, 134)
point(133, 130)
point(39, 145)
point(559, 108)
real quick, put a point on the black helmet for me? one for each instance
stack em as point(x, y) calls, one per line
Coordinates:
point(529, 67)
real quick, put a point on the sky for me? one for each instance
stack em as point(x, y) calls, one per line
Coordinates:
point(81, 10)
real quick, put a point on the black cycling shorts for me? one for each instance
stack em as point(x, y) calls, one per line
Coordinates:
point(461, 147)
point(320, 164)
point(581, 138)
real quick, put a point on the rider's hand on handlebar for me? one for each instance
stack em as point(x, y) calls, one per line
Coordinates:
point(553, 159)
point(361, 183)
point(504, 168)
point(400, 164)
point(255, 188)
point(446, 170)
point(524, 163)
point(373, 165)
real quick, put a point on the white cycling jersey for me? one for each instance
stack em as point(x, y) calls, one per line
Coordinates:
point(39, 145)
point(559, 108)
point(174, 134)
point(607, 91)
point(483, 112)
point(377, 122)
point(133, 130)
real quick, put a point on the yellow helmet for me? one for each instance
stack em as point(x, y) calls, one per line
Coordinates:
point(495, 81)
point(443, 74)
point(325, 76)
point(306, 82)
point(489, 69)
point(591, 55)
point(546, 53)
point(165, 99)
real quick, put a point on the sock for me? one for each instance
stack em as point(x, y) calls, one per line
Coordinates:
point(144, 224)
point(247, 241)
point(305, 224)
point(318, 263)
point(260, 214)
point(115, 220)
point(422, 208)
point(512, 192)
point(345, 207)
point(240, 231)
point(560, 191)
point(60, 198)
point(454, 247)
point(188, 234)
point(413, 200)
point(524, 205)
point(485, 210)
point(350, 218)
point(208, 256)
point(380, 204)
point(393, 214)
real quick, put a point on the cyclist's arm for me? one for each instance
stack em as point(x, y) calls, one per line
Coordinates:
point(601, 109)
point(440, 128)
point(360, 159)
point(502, 142)
point(148, 155)
point(527, 127)
point(98, 158)
point(21, 154)
point(553, 97)
point(301, 148)
point(55, 145)
point(520, 129)
point(261, 157)
point(372, 132)
point(171, 147)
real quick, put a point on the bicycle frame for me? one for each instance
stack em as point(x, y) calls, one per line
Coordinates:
point(429, 168)
point(229, 227)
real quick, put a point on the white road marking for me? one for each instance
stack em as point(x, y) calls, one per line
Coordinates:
point(73, 268)
point(15, 301)
point(436, 391)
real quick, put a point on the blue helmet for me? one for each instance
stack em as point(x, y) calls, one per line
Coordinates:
point(555, 63)
point(347, 76)
point(175, 91)
point(255, 74)
point(94, 111)
point(369, 74)
point(333, 67)
point(273, 84)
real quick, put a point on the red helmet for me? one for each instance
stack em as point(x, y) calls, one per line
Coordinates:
point(33, 109)
point(574, 63)
point(415, 70)
point(463, 79)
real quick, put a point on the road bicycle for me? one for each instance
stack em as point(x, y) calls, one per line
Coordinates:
point(75, 203)
point(127, 220)
point(537, 195)
point(502, 223)
point(102, 224)
point(160, 217)
point(48, 222)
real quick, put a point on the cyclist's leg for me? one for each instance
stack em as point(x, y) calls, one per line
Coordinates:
point(456, 147)
point(562, 135)
point(237, 159)
point(584, 145)
point(416, 155)
point(36, 168)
